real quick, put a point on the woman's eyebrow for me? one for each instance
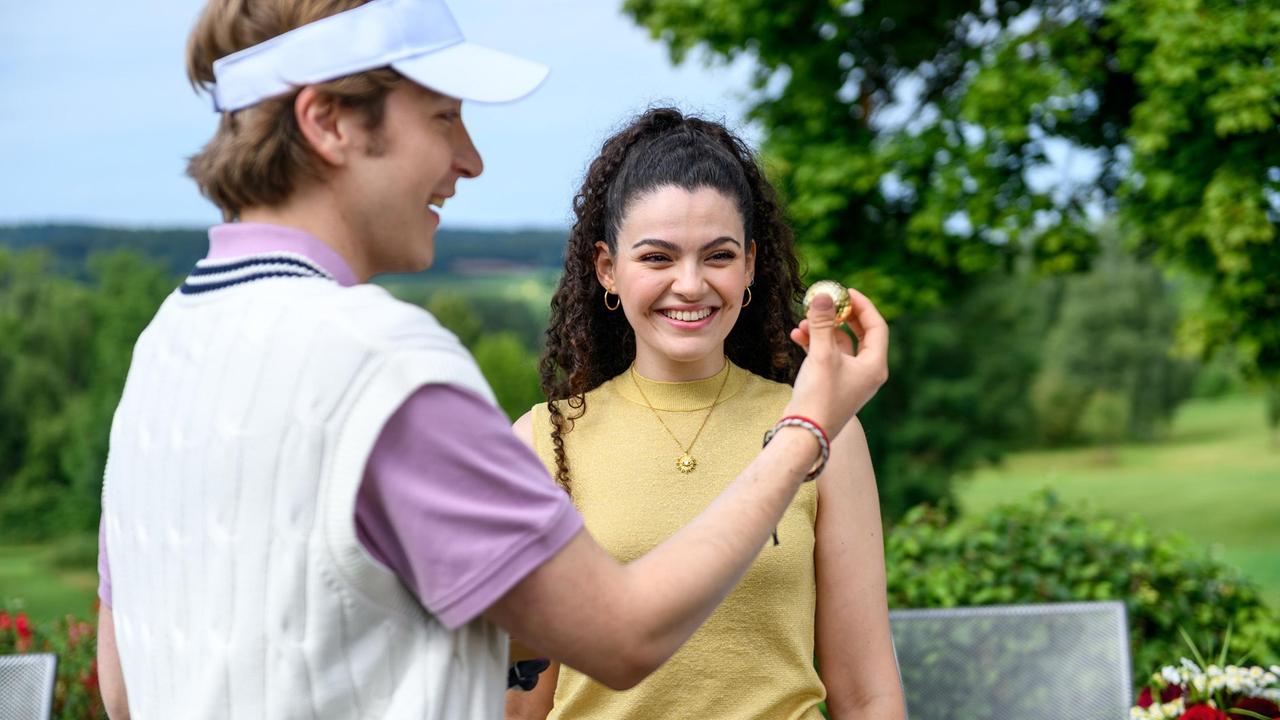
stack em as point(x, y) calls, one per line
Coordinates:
point(672, 247)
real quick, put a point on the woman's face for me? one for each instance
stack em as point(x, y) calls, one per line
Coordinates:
point(681, 268)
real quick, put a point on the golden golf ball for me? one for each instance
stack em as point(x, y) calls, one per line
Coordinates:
point(834, 290)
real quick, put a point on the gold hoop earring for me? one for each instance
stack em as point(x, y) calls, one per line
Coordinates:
point(748, 300)
point(614, 306)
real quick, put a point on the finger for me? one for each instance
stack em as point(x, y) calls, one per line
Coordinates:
point(844, 342)
point(870, 327)
point(822, 325)
point(800, 335)
point(801, 338)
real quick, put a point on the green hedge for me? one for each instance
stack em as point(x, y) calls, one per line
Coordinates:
point(75, 695)
point(1042, 551)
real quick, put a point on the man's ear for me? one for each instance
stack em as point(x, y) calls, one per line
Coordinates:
point(324, 124)
point(604, 266)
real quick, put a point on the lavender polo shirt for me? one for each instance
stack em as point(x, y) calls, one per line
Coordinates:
point(451, 501)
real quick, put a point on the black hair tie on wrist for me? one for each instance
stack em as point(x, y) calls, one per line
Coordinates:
point(524, 674)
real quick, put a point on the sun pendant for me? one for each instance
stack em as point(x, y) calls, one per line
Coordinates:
point(685, 464)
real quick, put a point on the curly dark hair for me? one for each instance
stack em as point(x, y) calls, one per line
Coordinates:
point(586, 344)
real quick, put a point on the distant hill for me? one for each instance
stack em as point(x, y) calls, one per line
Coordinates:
point(458, 252)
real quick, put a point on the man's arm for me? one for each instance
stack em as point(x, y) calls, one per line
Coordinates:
point(619, 623)
point(110, 676)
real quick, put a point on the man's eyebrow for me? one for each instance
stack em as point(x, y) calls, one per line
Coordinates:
point(672, 247)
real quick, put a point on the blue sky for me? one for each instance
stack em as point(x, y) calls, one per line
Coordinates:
point(97, 118)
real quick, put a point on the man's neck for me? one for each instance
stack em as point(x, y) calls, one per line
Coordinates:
point(319, 216)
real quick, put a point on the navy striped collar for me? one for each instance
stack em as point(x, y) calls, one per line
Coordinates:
point(211, 275)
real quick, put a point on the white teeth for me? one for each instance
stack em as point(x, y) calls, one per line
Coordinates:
point(687, 315)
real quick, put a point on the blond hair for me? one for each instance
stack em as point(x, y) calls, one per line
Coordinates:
point(258, 154)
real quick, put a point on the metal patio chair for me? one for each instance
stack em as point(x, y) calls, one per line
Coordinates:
point(26, 686)
point(1067, 661)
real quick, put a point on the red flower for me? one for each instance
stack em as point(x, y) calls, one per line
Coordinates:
point(1169, 694)
point(1261, 706)
point(23, 626)
point(1203, 712)
point(90, 679)
point(5, 621)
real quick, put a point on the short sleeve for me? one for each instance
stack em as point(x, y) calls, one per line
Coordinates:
point(456, 505)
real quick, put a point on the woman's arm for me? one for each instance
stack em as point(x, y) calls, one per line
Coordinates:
point(537, 703)
point(855, 649)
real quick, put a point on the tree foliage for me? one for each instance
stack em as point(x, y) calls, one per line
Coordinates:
point(1108, 367)
point(912, 140)
point(957, 397)
point(65, 348)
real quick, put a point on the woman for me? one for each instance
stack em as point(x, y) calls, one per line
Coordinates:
point(667, 358)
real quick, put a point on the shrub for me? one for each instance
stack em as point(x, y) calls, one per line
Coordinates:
point(75, 693)
point(1041, 551)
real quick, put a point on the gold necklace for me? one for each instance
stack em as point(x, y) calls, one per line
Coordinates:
point(685, 463)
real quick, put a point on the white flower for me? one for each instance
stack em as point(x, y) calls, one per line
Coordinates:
point(1170, 675)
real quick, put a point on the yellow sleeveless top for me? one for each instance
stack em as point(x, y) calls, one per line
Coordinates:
point(754, 657)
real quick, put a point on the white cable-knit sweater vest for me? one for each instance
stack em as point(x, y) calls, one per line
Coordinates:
point(240, 589)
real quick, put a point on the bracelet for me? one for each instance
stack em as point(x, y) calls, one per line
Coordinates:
point(824, 444)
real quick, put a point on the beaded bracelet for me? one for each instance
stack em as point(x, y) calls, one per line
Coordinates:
point(824, 446)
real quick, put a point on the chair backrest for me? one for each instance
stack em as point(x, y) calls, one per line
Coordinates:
point(26, 686)
point(1014, 662)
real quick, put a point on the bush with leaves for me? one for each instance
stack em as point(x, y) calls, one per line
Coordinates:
point(75, 692)
point(1042, 551)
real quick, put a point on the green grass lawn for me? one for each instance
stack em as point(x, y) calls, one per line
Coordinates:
point(47, 581)
point(1215, 480)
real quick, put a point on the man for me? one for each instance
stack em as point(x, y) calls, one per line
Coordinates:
point(312, 507)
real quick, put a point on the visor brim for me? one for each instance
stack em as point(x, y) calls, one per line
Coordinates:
point(473, 72)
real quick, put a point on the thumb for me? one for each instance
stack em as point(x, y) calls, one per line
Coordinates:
point(822, 324)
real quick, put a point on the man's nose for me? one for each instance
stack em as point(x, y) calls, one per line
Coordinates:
point(466, 158)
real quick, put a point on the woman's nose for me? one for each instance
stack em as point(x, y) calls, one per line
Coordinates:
point(689, 280)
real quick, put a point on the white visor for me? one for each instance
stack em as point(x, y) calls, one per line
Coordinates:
point(418, 38)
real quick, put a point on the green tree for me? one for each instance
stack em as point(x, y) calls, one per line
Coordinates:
point(456, 312)
point(957, 393)
point(1108, 367)
point(911, 142)
point(512, 372)
point(906, 136)
point(64, 352)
